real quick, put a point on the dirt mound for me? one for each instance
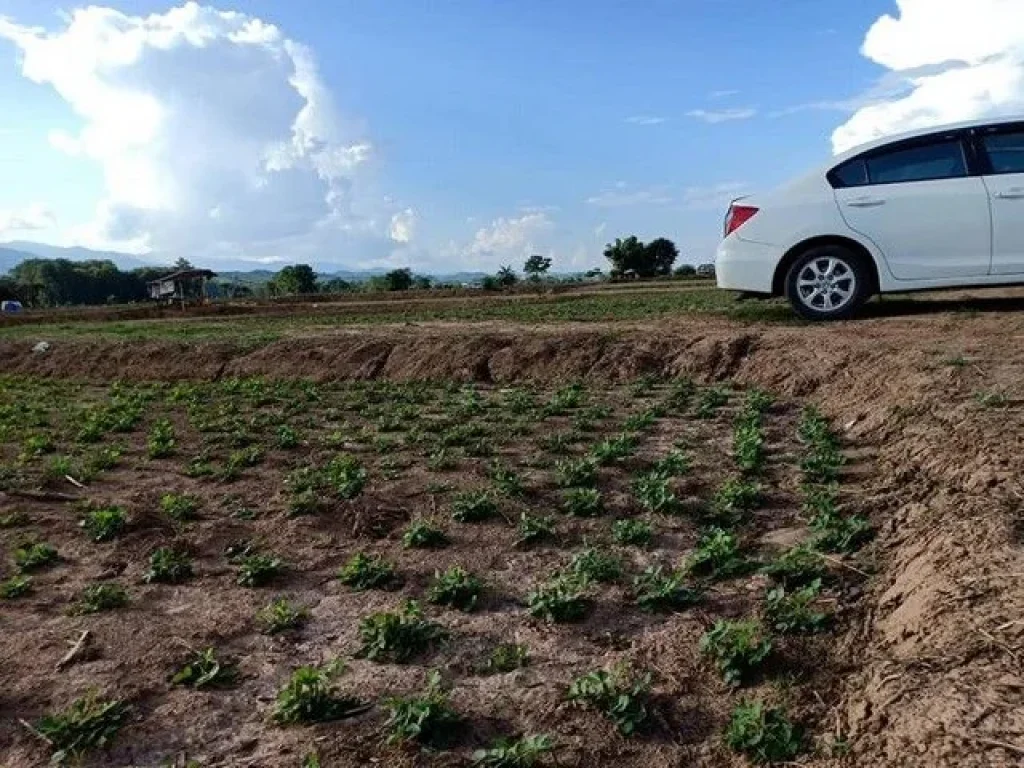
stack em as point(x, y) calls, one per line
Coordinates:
point(934, 403)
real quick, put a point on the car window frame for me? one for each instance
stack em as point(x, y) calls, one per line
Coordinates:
point(977, 136)
point(968, 149)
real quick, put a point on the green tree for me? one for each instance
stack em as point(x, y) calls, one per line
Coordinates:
point(506, 277)
point(627, 256)
point(685, 270)
point(660, 255)
point(398, 279)
point(537, 266)
point(336, 285)
point(296, 279)
point(182, 264)
point(422, 282)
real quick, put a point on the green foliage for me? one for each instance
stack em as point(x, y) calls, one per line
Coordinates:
point(14, 587)
point(473, 506)
point(35, 446)
point(456, 588)
point(733, 500)
point(287, 437)
point(841, 533)
point(563, 598)
point(168, 566)
point(619, 697)
point(506, 481)
point(653, 492)
point(614, 449)
point(161, 442)
point(533, 529)
point(295, 279)
point(507, 657)
point(822, 459)
point(89, 723)
point(680, 393)
point(345, 476)
point(363, 571)
point(793, 612)
point(524, 752)
point(576, 473)
point(180, 507)
point(427, 719)
point(397, 636)
point(536, 266)
point(710, 401)
point(748, 444)
point(422, 534)
point(661, 592)
point(765, 735)
point(32, 557)
point(583, 502)
point(280, 615)
point(257, 569)
point(103, 523)
point(630, 256)
point(13, 519)
point(717, 556)
point(632, 531)
point(202, 669)
point(310, 697)
point(797, 566)
point(738, 648)
point(673, 464)
point(593, 564)
point(97, 598)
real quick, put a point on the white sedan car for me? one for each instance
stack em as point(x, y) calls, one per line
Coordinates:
point(938, 208)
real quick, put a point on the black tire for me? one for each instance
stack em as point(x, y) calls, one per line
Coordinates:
point(830, 282)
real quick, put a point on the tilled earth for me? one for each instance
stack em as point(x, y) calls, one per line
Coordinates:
point(922, 667)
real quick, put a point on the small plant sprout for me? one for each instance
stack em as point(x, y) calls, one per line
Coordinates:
point(615, 694)
point(103, 523)
point(524, 752)
point(427, 719)
point(614, 449)
point(583, 502)
point(673, 464)
point(990, 399)
point(710, 401)
point(561, 599)
point(456, 588)
point(97, 598)
point(345, 476)
point(473, 506)
point(593, 564)
point(258, 570)
point(765, 735)
point(661, 592)
point(310, 697)
point(281, 615)
point(507, 657)
point(680, 393)
point(15, 587)
point(793, 612)
point(287, 437)
point(841, 534)
point(630, 531)
point(737, 647)
point(363, 571)
point(575, 473)
point(717, 556)
point(397, 636)
point(35, 556)
point(506, 481)
point(653, 492)
point(748, 444)
point(202, 669)
point(89, 723)
point(534, 529)
point(422, 534)
point(733, 500)
point(161, 442)
point(168, 566)
point(180, 507)
point(797, 566)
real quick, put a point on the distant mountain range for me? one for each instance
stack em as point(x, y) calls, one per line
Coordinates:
point(15, 252)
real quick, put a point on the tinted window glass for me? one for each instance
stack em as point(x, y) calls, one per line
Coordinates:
point(850, 174)
point(941, 160)
point(1005, 151)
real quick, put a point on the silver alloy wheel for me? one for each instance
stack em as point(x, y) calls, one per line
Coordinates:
point(826, 284)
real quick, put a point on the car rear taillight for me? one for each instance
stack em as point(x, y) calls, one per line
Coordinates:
point(737, 216)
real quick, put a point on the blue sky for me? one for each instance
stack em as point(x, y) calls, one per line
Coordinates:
point(476, 132)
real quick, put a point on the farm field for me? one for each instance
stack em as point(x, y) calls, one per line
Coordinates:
point(652, 539)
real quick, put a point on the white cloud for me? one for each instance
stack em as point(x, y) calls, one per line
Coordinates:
point(715, 196)
point(723, 94)
point(645, 120)
point(624, 196)
point(715, 116)
point(403, 226)
point(214, 133)
point(959, 60)
point(503, 240)
point(32, 217)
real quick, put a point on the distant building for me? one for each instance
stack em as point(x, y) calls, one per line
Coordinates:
point(180, 286)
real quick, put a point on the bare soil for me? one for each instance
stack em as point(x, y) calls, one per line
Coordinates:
point(926, 670)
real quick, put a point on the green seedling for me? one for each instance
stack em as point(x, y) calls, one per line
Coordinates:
point(797, 566)
point(180, 507)
point(660, 592)
point(34, 557)
point(280, 616)
point(583, 502)
point(168, 566)
point(161, 442)
point(737, 647)
point(718, 556)
point(576, 473)
point(710, 401)
point(310, 697)
point(397, 636)
point(15, 587)
point(257, 570)
point(765, 735)
point(97, 598)
point(507, 657)
point(561, 599)
point(524, 752)
point(422, 534)
point(614, 449)
point(103, 523)
point(202, 669)
point(456, 588)
point(733, 501)
point(793, 612)
point(673, 464)
point(630, 531)
point(653, 492)
point(287, 438)
point(620, 698)
point(533, 529)
point(841, 534)
point(473, 506)
point(427, 719)
point(506, 481)
point(363, 571)
point(90, 723)
point(593, 564)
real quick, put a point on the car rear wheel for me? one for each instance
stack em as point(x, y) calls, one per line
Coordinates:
point(828, 283)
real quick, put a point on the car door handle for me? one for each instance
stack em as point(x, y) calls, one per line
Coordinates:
point(1013, 193)
point(865, 202)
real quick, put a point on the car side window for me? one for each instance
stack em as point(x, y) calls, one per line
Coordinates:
point(921, 162)
point(852, 173)
point(1005, 151)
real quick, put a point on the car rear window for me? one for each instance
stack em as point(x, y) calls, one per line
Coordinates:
point(1005, 151)
point(853, 173)
point(921, 162)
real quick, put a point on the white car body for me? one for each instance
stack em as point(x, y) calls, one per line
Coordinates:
point(962, 230)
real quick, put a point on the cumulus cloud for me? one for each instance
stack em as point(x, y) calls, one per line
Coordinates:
point(213, 130)
point(403, 225)
point(958, 60)
point(715, 116)
point(32, 217)
point(504, 240)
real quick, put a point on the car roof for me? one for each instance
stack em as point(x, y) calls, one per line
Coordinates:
point(885, 140)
